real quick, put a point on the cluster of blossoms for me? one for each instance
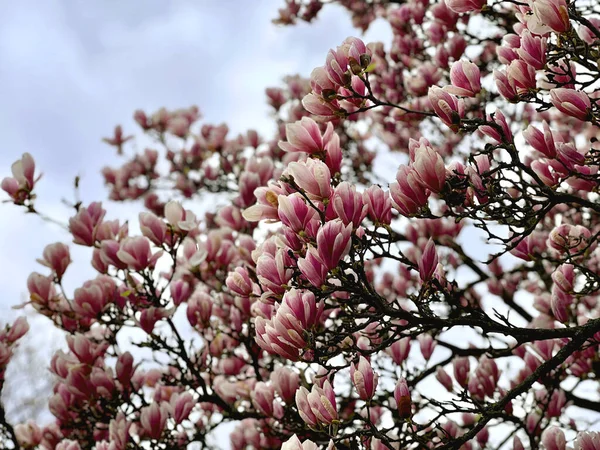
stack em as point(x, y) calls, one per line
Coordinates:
point(323, 307)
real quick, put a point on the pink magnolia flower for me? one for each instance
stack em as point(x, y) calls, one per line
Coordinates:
point(464, 6)
point(263, 396)
point(408, 194)
point(364, 378)
point(297, 215)
point(430, 168)
point(399, 350)
point(29, 435)
point(505, 87)
point(570, 238)
point(521, 77)
point(442, 376)
point(447, 107)
point(553, 438)
point(153, 419)
point(379, 205)
point(294, 443)
point(465, 79)
point(136, 253)
point(349, 205)
point(571, 102)
point(552, 13)
point(543, 142)
point(462, 368)
point(334, 240)
point(182, 220)
point(153, 228)
point(587, 441)
point(305, 136)
point(57, 258)
point(403, 400)
point(313, 177)
point(321, 402)
point(313, 268)
point(533, 50)
point(239, 282)
point(84, 225)
point(501, 132)
point(199, 309)
point(286, 382)
point(428, 261)
point(22, 182)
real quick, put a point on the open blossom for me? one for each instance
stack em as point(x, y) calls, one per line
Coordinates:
point(570, 238)
point(136, 253)
point(305, 136)
point(57, 258)
point(294, 443)
point(182, 220)
point(349, 205)
point(22, 182)
point(571, 102)
point(317, 406)
point(84, 225)
point(333, 242)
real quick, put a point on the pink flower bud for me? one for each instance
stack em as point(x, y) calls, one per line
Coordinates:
point(533, 50)
point(403, 400)
point(262, 398)
point(587, 34)
point(379, 205)
point(180, 291)
point(553, 438)
point(199, 309)
point(559, 304)
point(501, 132)
point(447, 107)
point(505, 87)
point(124, 369)
point(17, 330)
point(349, 204)
point(564, 277)
point(286, 382)
point(429, 166)
point(571, 102)
point(427, 345)
point(239, 282)
point(442, 376)
point(399, 350)
point(181, 405)
point(462, 368)
point(269, 339)
point(542, 142)
point(364, 378)
point(333, 243)
point(304, 409)
point(153, 420)
point(465, 79)
point(90, 300)
point(428, 261)
point(408, 194)
point(273, 272)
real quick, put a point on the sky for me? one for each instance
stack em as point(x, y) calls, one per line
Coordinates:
point(71, 70)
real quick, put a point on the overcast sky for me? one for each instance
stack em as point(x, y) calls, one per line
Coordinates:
point(72, 69)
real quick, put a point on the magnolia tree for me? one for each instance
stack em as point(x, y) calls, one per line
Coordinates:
point(331, 307)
